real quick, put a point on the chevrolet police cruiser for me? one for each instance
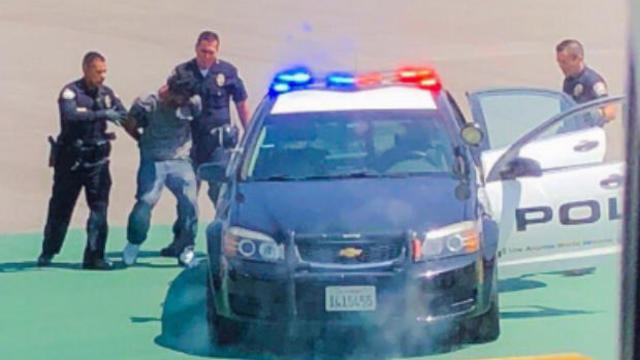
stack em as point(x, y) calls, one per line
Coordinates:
point(369, 200)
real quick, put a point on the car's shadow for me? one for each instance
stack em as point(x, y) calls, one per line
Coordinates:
point(185, 329)
point(538, 311)
point(519, 284)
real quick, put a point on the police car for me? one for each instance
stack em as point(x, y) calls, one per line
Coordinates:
point(368, 200)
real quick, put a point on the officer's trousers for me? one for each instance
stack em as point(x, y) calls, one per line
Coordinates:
point(67, 183)
point(179, 177)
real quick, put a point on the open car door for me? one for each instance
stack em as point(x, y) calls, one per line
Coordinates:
point(556, 191)
point(504, 114)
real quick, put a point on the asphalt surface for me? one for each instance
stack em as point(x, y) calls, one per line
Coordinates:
point(155, 310)
point(64, 312)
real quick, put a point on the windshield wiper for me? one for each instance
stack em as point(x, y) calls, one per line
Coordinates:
point(352, 175)
point(278, 177)
point(412, 174)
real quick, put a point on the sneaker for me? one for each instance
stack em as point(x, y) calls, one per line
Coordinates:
point(130, 253)
point(187, 257)
point(44, 260)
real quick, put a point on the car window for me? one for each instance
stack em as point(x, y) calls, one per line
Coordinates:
point(343, 143)
point(510, 114)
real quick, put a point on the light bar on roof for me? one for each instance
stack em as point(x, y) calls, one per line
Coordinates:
point(301, 77)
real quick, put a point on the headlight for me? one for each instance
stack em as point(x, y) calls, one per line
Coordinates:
point(455, 239)
point(251, 245)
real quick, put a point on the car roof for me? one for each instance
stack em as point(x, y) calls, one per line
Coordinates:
point(379, 98)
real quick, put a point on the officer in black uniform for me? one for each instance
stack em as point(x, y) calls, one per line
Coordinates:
point(581, 82)
point(80, 158)
point(218, 84)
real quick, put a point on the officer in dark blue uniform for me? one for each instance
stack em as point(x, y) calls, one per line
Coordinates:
point(80, 158)
point(218, 84)
point(581, 82)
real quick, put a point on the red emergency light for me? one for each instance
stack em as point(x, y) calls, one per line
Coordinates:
point(423, 77)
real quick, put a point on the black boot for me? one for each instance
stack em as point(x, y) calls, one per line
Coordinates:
point(170, 250)
point(97, 264)
point(44, 260)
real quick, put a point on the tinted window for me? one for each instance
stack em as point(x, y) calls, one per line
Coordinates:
point(510, 115)
point(337, 144)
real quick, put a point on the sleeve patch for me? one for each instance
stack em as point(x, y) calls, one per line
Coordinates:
point(68, 94)
point(600, 89)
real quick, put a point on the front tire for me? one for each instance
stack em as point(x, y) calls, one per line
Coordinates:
point(486, 327)
point(221, 330)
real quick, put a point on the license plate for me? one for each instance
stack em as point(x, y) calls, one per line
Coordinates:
point(350, 298)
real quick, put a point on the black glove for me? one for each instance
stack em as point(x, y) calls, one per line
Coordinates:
point(114, 116)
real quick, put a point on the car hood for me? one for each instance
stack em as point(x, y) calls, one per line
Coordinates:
point(350, 205)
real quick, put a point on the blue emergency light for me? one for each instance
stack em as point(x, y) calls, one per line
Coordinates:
point(297, 76)
point(340, 79)
point(289, 79)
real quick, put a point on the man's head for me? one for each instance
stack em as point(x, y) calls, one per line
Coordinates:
point(180, 87)
point(207, 47)
point(570, 57)
point(94, 67)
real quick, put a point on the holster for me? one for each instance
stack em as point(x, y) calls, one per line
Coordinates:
point(53, 151)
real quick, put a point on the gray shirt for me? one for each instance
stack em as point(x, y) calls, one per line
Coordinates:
point(166, 131)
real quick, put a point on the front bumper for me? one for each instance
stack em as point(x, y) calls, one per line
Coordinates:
point(406, 292)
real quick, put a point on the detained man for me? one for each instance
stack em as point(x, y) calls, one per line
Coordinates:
point(161, 124)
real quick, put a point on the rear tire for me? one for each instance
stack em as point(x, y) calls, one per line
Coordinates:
point(486, 327)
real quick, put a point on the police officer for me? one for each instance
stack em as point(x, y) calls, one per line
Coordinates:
point(80, 158)
point(581, 82)
point(218, 84)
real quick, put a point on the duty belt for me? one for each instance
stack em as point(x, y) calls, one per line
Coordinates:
point(88, 152)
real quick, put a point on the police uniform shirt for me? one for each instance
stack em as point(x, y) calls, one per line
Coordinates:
point(82, 111)
point(216, 87)
point(585, 86)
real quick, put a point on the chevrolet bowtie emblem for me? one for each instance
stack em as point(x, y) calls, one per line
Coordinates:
point(350, 252)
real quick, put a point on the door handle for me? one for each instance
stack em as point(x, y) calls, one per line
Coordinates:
point(612, 182)
point(586, 145)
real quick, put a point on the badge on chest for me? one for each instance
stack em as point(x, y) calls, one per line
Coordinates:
point(220, 79)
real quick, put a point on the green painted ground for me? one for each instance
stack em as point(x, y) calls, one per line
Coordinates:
point(68, 313)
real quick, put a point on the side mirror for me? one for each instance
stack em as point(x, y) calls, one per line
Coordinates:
point(460, 166)
point(213, 172)
point(521, 167)
point(472, 134)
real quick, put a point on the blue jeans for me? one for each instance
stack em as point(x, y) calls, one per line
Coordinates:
point(179, 177)
point(220, 155)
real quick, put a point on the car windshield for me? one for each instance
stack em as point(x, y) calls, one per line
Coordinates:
point(345, 144)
